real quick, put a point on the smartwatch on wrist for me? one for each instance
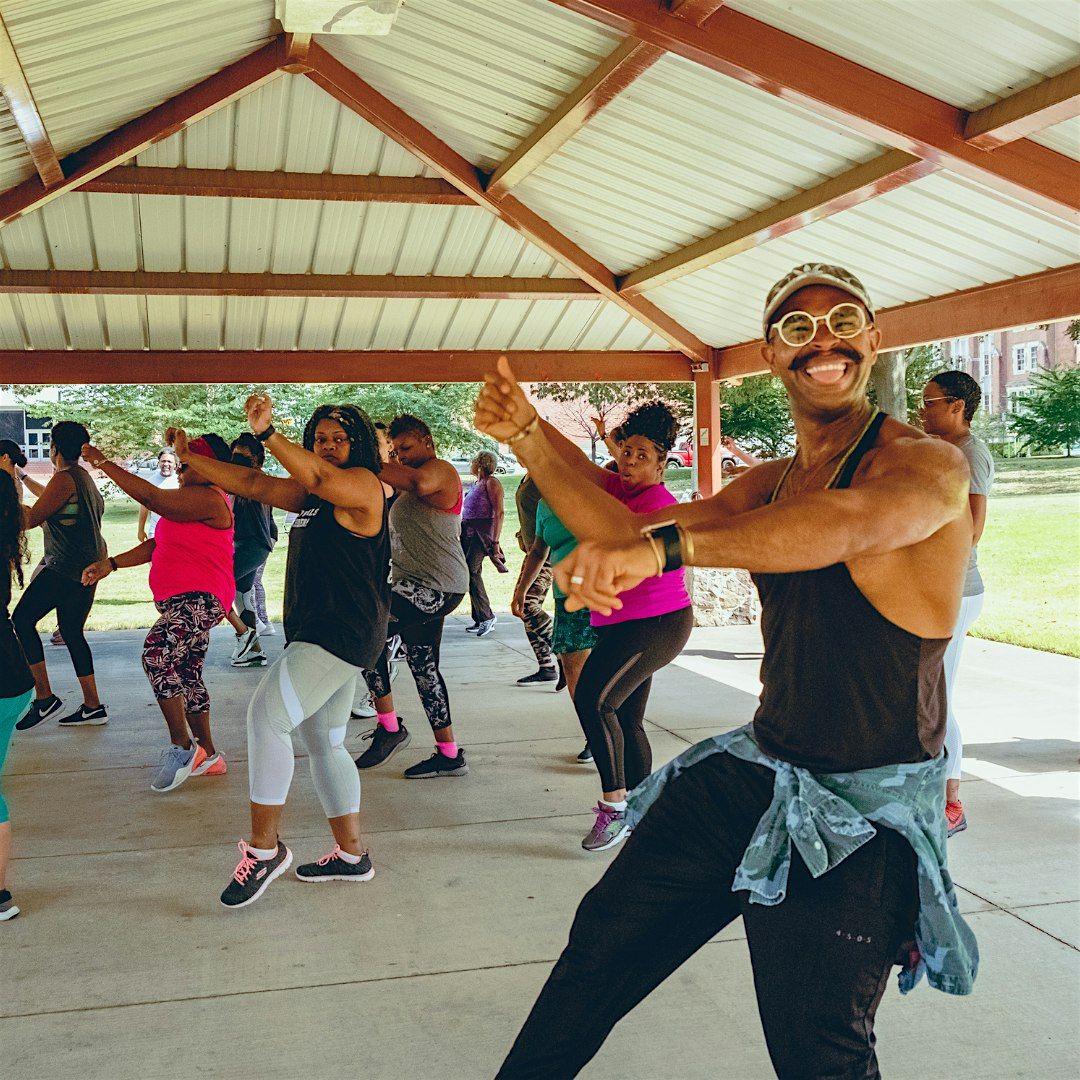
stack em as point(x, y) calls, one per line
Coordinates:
point(669, 535)
point(262, 436)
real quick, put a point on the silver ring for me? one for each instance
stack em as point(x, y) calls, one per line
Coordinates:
point(575, 580)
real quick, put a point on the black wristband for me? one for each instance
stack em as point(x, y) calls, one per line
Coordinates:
point(112, 563)
point(262, 436)
point(668, 535)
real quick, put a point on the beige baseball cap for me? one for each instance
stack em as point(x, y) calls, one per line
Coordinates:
point(813, 274)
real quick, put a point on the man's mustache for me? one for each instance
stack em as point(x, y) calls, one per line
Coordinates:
point(807, 355)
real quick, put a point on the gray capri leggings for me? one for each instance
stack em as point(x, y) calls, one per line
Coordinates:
point(306, 692)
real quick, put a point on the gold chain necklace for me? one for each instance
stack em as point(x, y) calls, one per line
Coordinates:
point(805, 485)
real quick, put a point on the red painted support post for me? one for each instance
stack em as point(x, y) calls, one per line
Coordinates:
point(706, 429)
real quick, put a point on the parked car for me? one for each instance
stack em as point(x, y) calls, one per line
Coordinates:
point(681, 455)
point(463, 464)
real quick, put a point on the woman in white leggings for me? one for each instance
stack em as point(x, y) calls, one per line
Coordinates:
point(336, 613)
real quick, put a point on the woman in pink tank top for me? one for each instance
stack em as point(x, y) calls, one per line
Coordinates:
point(191, 578)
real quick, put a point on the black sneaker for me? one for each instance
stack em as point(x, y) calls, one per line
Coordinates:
point(8, 909)
point(585, 757)
point(39, 710)
point(333, 867)
point(543, 675)
point(438, 765)
point(85, 717)
point(561, 684)
point(384, 744)
point(252, 875)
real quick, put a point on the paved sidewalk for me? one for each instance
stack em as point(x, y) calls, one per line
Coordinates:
point(124, 964)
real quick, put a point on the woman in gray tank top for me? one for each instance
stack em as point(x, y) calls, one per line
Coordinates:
point(68, 509)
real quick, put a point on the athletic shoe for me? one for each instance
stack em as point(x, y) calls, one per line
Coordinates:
point(438, 765)
point(543, 675)
point(395, 651)
point(175, 767)
point(384, 744)
point(955, 817)
point(85, 717)
point(333, 867)
point(472, 629)
point(252, 875)
point(251, 659)
point(265, 629)
point(8, 909)
point(486, 627)
point(364, 710)
point(247, 645)
point(561, 684)
point(57, 638)
point(585, 757)
point(39, 710)
point(609, 829)
point(210, 766)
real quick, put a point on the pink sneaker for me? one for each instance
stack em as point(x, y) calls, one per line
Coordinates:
point(955, 817)
point(210, 766)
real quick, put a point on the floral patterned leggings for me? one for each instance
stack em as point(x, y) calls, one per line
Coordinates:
point(175, 648)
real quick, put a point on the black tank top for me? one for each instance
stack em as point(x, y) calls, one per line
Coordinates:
point(336, 592)
point(844, 688)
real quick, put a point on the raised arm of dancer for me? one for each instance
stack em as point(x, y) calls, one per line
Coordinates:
point(743, 455)
point(31, 484)
point(178, 504)
point(347, 488)
point(51, 498)
point(135, 556)
point(610, 444)
point(530, 568)
point(254, 484)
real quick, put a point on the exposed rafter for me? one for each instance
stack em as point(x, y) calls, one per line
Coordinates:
point(857, 185)
point(46, 367)
point(368, 287)
point(348, 88)
point(159, 123)
point(1035, 298)
point(319, 187)
point(1019, 115)
point(20, 101)
point(876, 106)
point(595, 92)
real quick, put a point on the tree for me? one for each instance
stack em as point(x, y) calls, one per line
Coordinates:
point(1048, 418)
point(921, 364)
point(580, 402)
point(127, 420)
point(755, 414)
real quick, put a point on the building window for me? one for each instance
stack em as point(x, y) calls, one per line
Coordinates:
point(31, 438)
point(986, 367)
point(1020, 357)
point(1033, 356)
point(984, 347)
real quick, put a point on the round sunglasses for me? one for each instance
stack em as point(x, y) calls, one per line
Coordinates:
point(799, 327)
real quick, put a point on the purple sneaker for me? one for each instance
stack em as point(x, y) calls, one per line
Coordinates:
point(609, 829)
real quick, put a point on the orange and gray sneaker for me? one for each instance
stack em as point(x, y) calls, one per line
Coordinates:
point(213, 765)
point(955, 817)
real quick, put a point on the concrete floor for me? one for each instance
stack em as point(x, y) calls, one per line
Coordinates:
point(125, 965)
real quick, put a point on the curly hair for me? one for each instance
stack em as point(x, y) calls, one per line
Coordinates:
point(357, 425)
point(960, 386)
point(655, 421)
point(13, 550)
point(68, 437)
point(487, 461)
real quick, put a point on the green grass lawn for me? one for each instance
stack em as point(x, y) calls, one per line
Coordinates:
point(1029, 556)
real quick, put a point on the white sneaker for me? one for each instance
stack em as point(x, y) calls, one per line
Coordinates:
point(247, 647)
point(364, 710)
point(265, 629)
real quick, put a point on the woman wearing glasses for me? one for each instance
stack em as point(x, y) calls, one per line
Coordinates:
point(191, 578)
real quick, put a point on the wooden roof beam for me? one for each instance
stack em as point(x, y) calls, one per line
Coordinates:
point(595, 92)
point(1036, 298)
point(237, 184)
point(69, 367)
point(1019, 115)
point(20, 101)
point(348, 88)
point(159, 123)
point(857, 185)
point(142, 283)
point(847, 93)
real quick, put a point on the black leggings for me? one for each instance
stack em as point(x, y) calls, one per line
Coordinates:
point(477, 549)
point(72, 602)
point(821, 957)
point(614, 688)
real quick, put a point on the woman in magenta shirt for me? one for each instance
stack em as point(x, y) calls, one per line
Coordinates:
point(191, 578)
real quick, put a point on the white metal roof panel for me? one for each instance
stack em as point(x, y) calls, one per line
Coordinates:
point(936, 236)
point(682, 153)
point(288, 125)
point(215, 322)
point(94, 231)
point(1063, 137)
point(94, 64)
point(969, 53)
point(481, 75)
point(15, 162)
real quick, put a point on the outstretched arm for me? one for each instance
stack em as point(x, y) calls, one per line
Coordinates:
point(52, 497)
point(135, 556)
point(435, 481)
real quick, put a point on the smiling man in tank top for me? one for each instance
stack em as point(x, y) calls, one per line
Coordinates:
point(821, 823)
